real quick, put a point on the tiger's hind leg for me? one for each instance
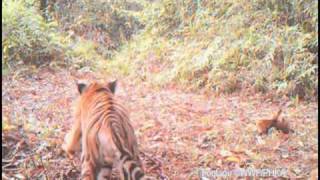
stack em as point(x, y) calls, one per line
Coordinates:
point(107, 154)
point(87, 168)
point(105, 172)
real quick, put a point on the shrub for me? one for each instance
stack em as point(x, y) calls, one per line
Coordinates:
point(225, 46)
point(107, 23)
point(25, 35)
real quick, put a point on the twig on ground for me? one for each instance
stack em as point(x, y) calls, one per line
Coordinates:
point(45, 169)
point(158, 165)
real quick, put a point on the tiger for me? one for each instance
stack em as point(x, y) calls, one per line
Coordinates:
point(107, 136)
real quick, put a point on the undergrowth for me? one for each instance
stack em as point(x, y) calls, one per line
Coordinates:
point(78, 33)
point(26, 36)
point(226, 46)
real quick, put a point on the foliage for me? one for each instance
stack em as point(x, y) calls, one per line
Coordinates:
point(25, 34)
point(106, 23)
point(80, 31)
point(226, 46)
point(219, 46)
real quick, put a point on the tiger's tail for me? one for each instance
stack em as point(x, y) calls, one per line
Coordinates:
point(130, 168)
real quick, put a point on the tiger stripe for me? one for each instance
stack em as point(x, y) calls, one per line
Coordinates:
point(106, 131)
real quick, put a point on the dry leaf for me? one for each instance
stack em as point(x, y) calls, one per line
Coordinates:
point(233, 159)
point(225, 153)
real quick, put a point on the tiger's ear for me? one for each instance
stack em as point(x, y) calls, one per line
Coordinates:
point(112, 86)
point(81, 87)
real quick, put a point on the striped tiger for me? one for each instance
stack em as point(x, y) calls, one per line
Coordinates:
point(107, 135)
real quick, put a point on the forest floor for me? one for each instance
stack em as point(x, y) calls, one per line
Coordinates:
point(178, 132)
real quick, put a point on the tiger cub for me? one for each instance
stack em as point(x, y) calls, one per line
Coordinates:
point(106, 134)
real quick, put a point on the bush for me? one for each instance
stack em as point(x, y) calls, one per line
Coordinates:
point(25, 35)
point(106, 23)
point(226, 46)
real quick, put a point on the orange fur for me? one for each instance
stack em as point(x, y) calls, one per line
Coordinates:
point(282, 125)
point(279, 123)
point(264, 124)
point(104, 129)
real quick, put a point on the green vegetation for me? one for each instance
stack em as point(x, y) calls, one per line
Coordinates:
point(194, 75)
point(227, 46)
point(80, 32)
point(25, 36)
point(221, 46)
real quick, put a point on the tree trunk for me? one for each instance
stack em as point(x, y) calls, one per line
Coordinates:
point(44, 9)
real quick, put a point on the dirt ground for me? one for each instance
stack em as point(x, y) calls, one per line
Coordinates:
point(179, 133)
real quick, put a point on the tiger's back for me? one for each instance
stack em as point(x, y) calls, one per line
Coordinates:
point(107, 134)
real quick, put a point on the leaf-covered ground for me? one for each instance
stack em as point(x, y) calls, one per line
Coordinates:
point(178, 132)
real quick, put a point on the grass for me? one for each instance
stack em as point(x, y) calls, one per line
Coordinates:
point(223, 47)
point(226, 47)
